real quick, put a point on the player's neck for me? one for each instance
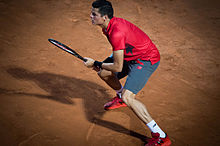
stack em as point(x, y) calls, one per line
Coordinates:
point(105, 24)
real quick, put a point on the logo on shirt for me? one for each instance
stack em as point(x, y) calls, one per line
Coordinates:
point(129, 48)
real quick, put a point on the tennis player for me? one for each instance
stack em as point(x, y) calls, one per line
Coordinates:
point(135, 56)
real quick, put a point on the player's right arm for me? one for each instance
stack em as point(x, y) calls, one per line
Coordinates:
point(117, 65)
point(117, 40)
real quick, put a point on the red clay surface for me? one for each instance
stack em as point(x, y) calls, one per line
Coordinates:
point(48, 97)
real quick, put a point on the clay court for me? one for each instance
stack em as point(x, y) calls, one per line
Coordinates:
point(49, 98)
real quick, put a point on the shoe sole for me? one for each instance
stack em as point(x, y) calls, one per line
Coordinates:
point(168, 143)
point(109, 108)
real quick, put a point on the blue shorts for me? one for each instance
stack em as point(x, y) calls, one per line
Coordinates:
point(137, 74)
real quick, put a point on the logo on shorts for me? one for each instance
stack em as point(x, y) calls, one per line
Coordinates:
point(139, 67)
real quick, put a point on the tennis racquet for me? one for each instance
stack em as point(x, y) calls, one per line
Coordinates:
point(67, 49)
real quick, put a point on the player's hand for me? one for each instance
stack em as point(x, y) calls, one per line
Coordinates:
point(89, 63)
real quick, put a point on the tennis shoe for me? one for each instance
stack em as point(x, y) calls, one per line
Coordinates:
point(115, 102)
point(156, 140)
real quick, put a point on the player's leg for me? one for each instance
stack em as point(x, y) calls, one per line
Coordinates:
point(137, 78)
point(112, 79)
point(141, 111)
point(139, 108)
point(158, 136)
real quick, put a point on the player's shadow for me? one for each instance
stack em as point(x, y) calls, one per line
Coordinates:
point(63, 88)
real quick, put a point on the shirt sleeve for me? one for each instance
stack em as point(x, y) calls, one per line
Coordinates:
point(117, 41)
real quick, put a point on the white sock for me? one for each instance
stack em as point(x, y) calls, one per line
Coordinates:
point(119, 91)
point(156, 129)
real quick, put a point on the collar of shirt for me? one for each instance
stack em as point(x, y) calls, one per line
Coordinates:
point(107, 30)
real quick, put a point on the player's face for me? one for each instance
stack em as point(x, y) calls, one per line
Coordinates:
point(96, 17)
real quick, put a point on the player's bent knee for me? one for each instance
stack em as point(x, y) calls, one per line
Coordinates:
point(103, 74)
point(128, 97)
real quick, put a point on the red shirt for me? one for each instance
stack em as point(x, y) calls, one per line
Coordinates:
point(124, 35)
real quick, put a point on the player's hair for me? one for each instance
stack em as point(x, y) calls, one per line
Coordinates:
point(105, 8)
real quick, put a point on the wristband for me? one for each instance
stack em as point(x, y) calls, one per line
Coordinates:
point(98, 64)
